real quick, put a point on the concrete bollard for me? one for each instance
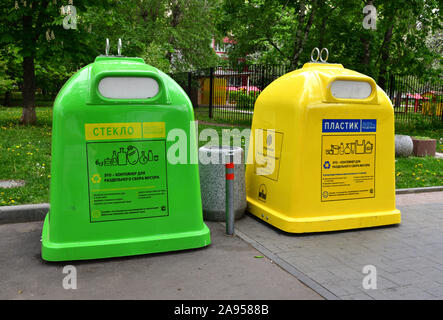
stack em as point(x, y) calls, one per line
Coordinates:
point(212, 169)
point(403, 145)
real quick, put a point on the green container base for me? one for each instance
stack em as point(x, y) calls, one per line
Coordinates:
point(85, 250)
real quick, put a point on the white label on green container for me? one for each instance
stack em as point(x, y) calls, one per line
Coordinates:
point(127, 179)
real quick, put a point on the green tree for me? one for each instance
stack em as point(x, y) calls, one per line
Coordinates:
point(172, 35)
point(10, 75)
point(273, 30)
point(26, 25)
point(6, 82)
point(279, 31)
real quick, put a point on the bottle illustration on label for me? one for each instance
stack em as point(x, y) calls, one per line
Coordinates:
point(356, 147)
point(132, 155)
point(368, 147)
point(107, 162)
point(359, 147)
point(143, 158)
point(334, 150)
point(122, 157)
point(114, 161)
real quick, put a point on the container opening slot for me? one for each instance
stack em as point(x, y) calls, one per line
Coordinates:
point(346, 89)
point(128, 87)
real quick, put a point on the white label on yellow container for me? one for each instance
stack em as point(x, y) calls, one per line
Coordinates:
point(347, 167)
point(268, 153)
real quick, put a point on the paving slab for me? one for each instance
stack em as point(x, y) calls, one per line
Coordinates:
point(227, 269)
point(408, 258)
point(7, 184)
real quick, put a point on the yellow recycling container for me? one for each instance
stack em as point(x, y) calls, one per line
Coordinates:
point(321, 155)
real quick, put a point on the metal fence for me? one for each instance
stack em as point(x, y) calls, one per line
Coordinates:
point(415, 101)
point(229, 93)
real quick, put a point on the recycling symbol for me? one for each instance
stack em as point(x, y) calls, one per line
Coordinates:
point(96, 178)
point(96, 214)
point(326, 165)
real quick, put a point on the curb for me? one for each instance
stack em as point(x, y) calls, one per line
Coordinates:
point(37, 212)
point(418, 190)
point(23, 213)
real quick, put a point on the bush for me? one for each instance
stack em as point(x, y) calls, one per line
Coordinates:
point(242, 99)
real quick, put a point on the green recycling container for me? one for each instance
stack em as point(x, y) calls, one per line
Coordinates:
point(113, 190)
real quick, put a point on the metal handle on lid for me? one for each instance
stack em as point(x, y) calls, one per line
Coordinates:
point(119, 47)
point(321, 55)
point(312, 54)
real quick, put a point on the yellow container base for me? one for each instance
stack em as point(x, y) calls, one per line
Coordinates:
point(324, 223)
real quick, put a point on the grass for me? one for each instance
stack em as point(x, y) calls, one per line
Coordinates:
point(25, 154)
point(202, 114)
point(414, 172)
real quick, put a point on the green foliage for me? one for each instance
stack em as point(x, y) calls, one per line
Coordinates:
point(175, 36)
point(6, 82)
point(10, 66)
point(243, 99)
point(155, 56)
point(406, 39)
point(170, 35)
point(50, 78)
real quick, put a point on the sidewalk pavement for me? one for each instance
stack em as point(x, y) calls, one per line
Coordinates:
point(408, 260)
point(227, 269)
point(408, 257)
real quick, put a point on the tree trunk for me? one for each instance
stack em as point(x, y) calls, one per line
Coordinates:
point(28, 90)
point(365, 57)
point(302, 35)
point(176, 14)
point(322, 7)
point(365, 42)
point(321, 40)
point(385, 57)
point(7, 99)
